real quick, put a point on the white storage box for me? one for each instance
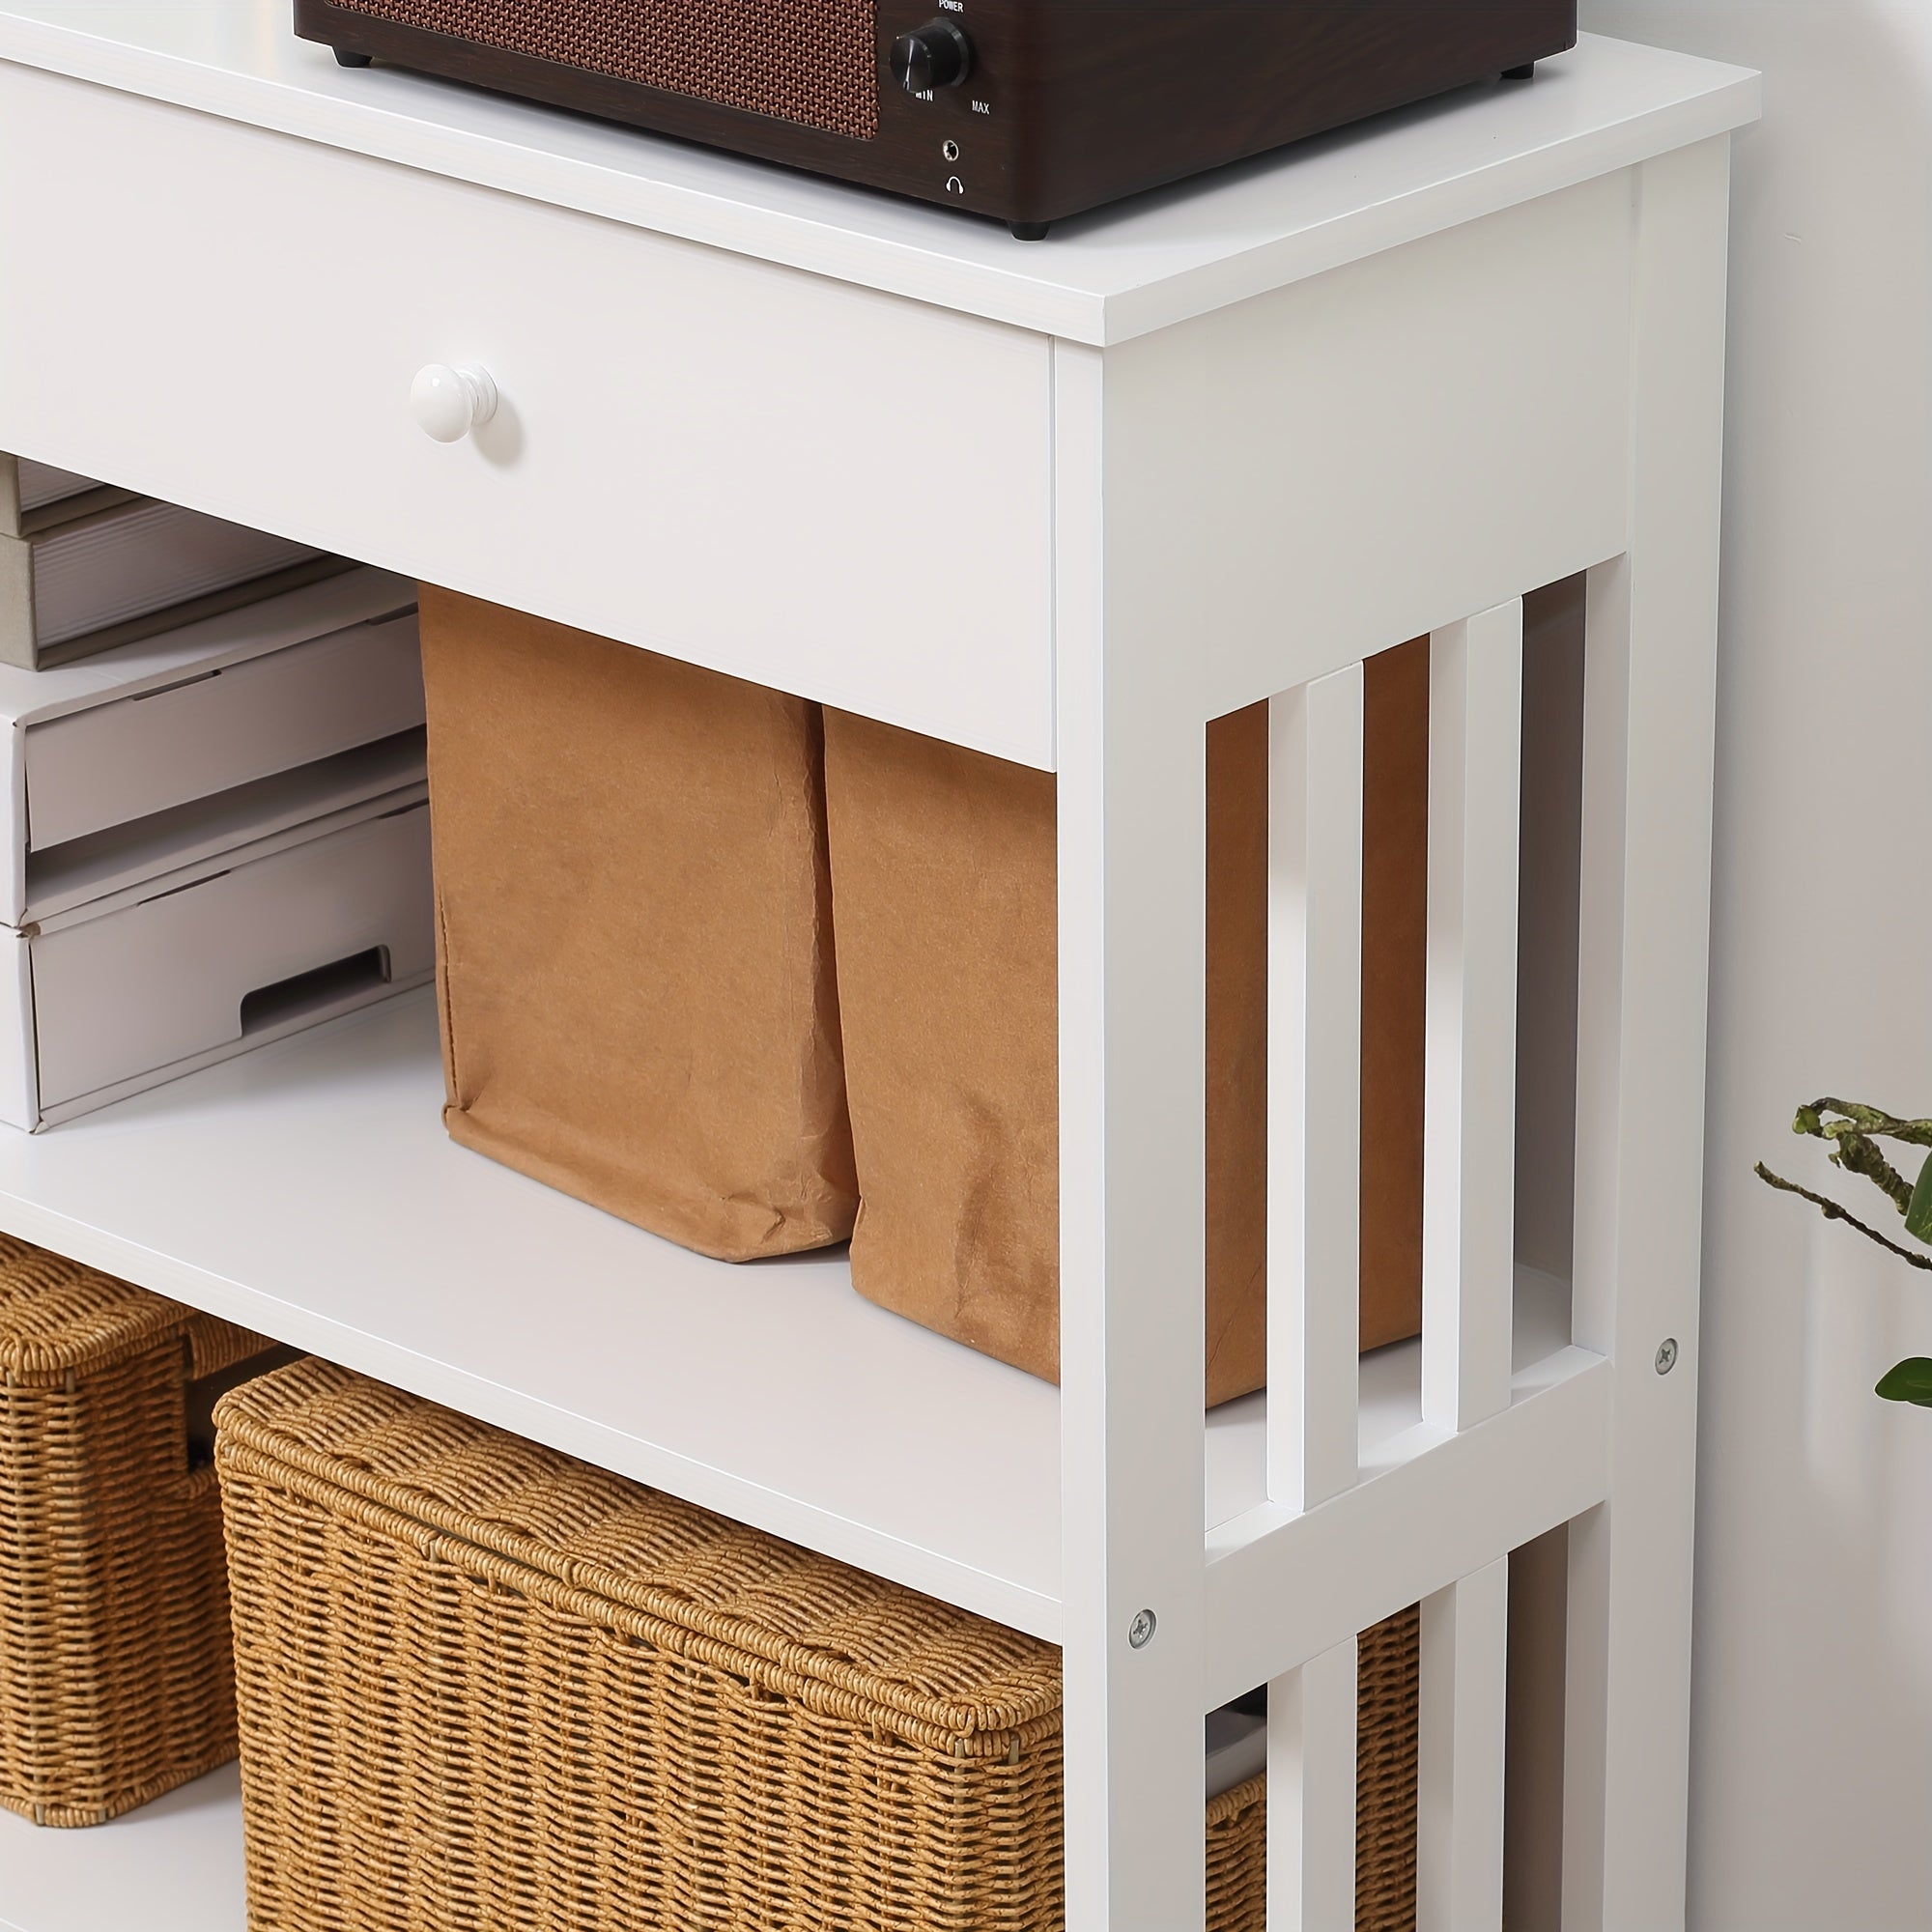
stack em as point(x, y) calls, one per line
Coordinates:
point(87, 576)
point(35, 495)
point(154, 749)
point(211, 838)
point(1236, 1747)
point(198, 711)
point(246, 944)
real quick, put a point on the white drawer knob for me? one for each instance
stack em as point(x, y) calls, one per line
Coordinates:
point(449, 402)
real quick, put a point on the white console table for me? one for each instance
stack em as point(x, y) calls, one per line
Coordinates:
point(1063, 503)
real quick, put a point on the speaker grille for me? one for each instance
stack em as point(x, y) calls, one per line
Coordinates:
point(810, 62)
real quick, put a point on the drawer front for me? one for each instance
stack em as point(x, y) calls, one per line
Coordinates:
point(140, 754)
point(170, 980)
point(832, 491)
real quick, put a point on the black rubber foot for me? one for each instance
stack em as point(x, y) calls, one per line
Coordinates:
point(1028, 231)
point(344, 58)
point(1520, 73)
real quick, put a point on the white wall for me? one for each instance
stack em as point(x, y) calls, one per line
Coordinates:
point(1812, 1768)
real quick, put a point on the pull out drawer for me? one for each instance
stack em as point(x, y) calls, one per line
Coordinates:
point(251, 948)
point(836, 491)
point(217, 730)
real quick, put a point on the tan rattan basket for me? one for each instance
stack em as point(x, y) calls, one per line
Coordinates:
point(1389, 1666)
point(484, 1685)
point(115, 1675)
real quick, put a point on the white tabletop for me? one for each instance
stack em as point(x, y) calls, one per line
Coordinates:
point(1100, 278)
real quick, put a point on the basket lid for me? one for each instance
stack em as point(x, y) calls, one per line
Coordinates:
point(59, 1316)
point(778, 1615)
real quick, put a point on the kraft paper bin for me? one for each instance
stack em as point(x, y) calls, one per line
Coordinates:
point(944, 875)
point(634, 932)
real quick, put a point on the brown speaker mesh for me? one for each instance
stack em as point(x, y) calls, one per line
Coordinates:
point(810, 62)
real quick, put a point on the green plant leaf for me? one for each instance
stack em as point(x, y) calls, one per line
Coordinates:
point(1918, 1216)
point(1910, 1381)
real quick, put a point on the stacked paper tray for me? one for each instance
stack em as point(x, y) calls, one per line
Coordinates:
point(208, 839)
point(33, 494)
point(85, 567)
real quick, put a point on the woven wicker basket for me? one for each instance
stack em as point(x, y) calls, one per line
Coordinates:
point(483, 1684)
point(115, 1675)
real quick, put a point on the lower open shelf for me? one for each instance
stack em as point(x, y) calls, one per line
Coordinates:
point(174, 1865)
point(308, 1190)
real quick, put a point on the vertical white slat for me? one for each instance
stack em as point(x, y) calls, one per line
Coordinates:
point(1131, 740)
point(1458, 1815)
point(1311, 1801)
point(1594, 1289)
point(1649, 714)
point(1468, 1169)
point(1315, 1089)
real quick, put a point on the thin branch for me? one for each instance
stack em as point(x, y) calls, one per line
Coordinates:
point(1831, 1212)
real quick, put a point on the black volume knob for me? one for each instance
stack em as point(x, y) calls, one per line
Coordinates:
point(937, 54)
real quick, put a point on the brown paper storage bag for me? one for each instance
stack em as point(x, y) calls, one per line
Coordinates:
point(1395, 936)
point(944, 871)
point(633, 960)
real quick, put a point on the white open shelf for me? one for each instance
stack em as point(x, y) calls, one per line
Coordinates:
point(308, 1190)
point(174, 1865)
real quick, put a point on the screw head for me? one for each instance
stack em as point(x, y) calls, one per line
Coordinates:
point(1140, 1632)
point(1666, 1354)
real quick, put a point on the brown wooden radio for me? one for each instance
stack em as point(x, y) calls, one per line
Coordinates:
point(1026, 110)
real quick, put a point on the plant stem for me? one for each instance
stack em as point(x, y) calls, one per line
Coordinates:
point(1856, 1155)
point(1831, 1212)
point(1870, 1120)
